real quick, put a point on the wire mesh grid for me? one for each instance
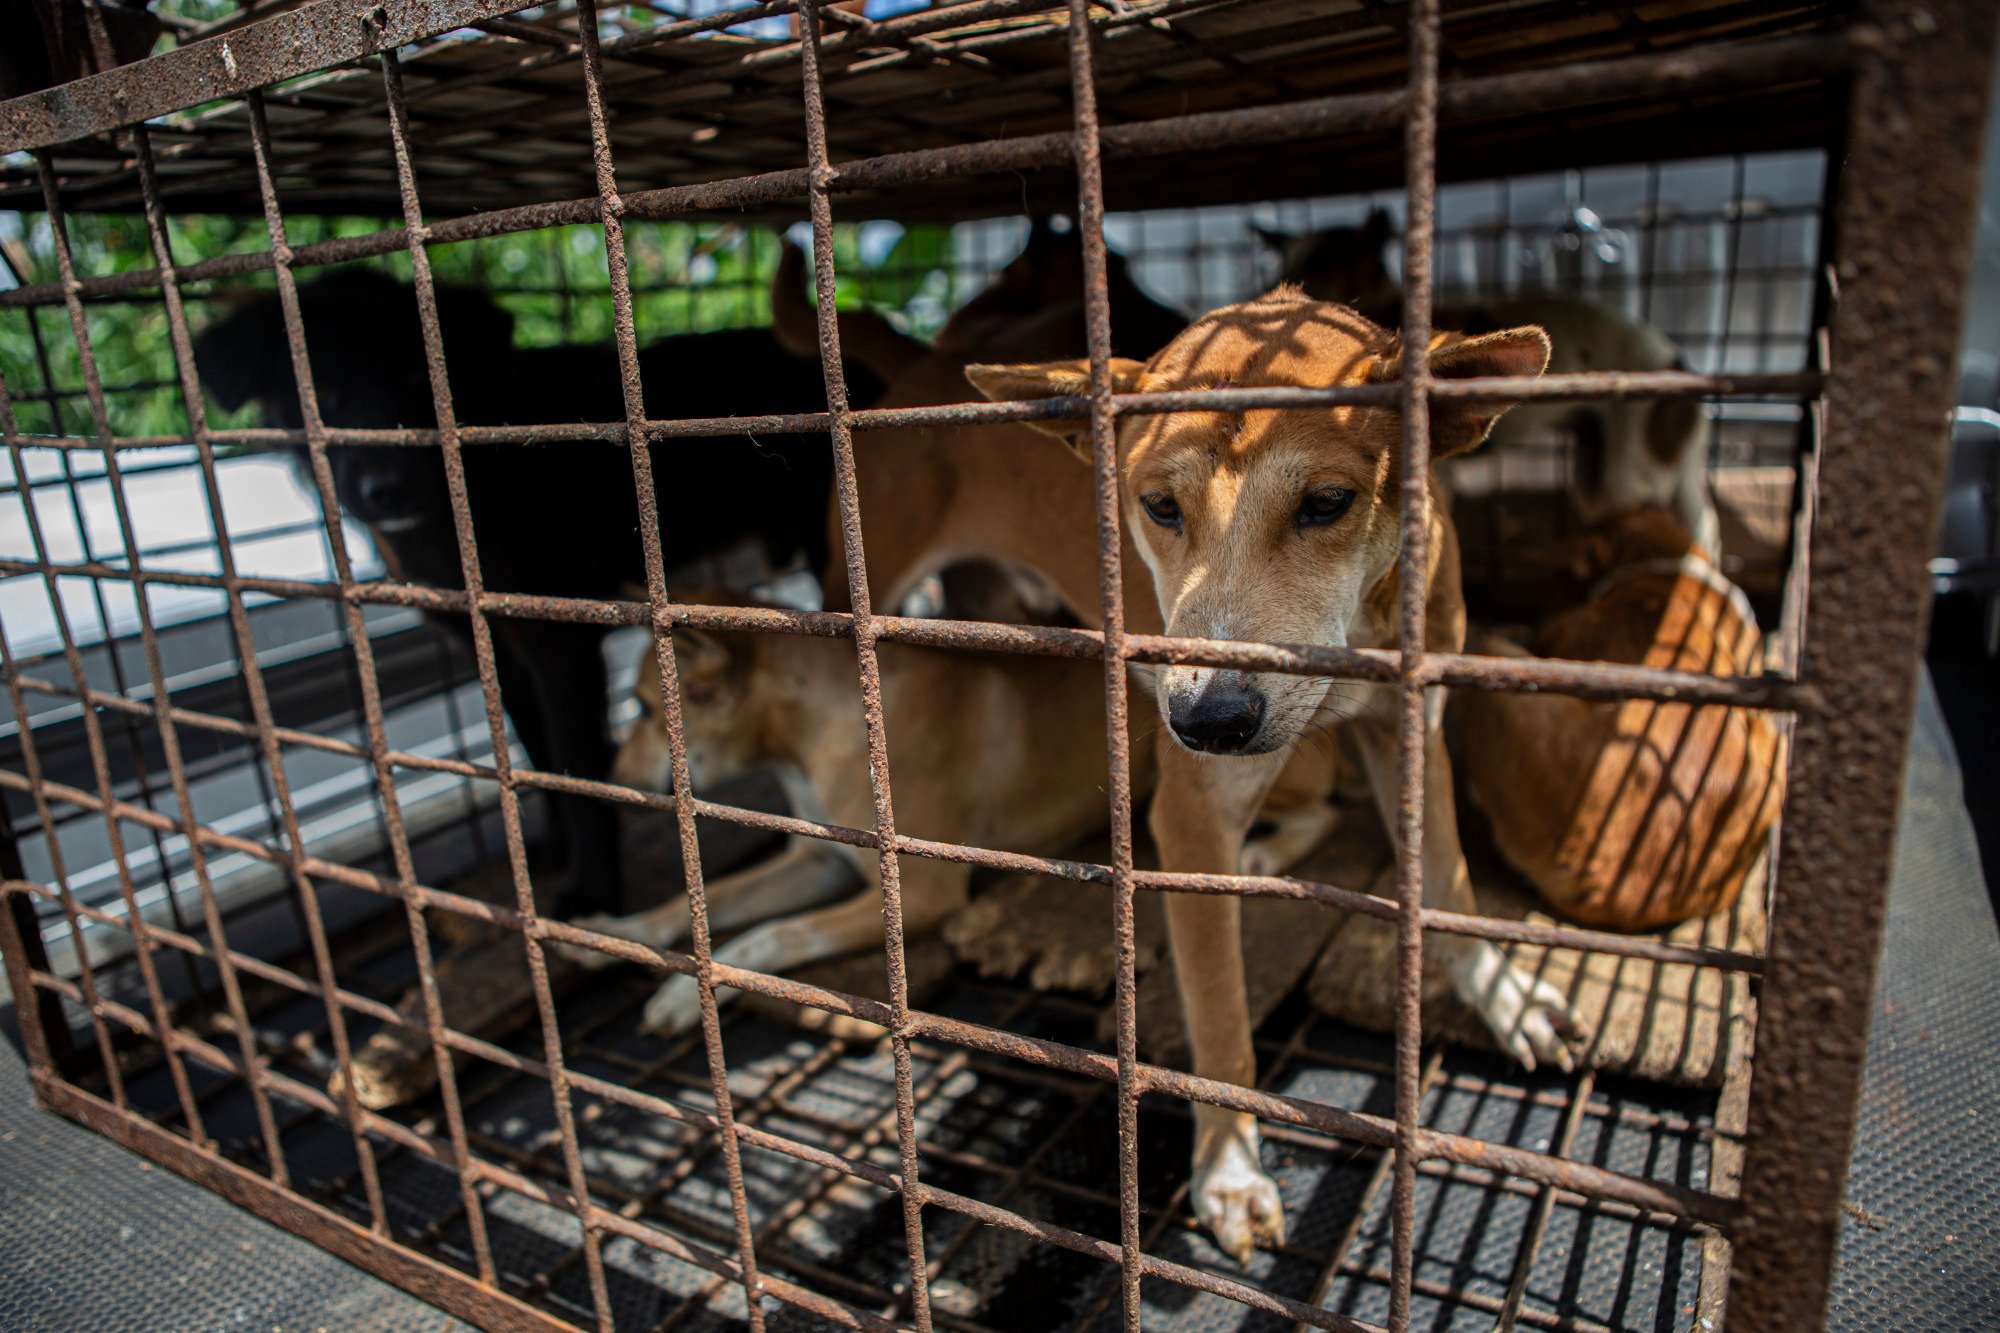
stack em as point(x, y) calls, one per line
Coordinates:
point(1418, 1154)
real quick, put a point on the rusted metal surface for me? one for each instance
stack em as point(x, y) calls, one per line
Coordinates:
point(1919, 109)
point(1707, 69)
point(1111, 608)
point(822, 174)
point(284, 46)
point(1413, 571)
point(1920, 93)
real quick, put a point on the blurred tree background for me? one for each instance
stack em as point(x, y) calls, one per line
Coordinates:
point(686, 277)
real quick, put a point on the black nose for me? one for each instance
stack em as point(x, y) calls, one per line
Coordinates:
point(1219, 715)
point(376, 495)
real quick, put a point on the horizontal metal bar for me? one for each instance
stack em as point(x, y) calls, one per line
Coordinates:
point(308, 39)
point(1248, 886)
point(1595, 1182)
point(1573, 387)
point(1716, 69)
point(1589, 680)
point(431, 1281)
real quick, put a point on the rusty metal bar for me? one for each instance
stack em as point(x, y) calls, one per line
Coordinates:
point(1347, 899)
point(1568, 387)
point(1711, 69)
point(430, 1280)
point(162, 713)
point(1589, 680)
point(307, 897)
point(100, 759)
point(663, 655)
point(385, 780)
point(1111, 605)
point(822, 175)
point(1575, 1178)
point(1919, 105)
point(483, 650)
point(1545, 1206)
point(1413, 605)
point(38, 792)
point(284, 46)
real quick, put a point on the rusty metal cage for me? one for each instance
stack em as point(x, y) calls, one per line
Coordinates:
point(211, 125)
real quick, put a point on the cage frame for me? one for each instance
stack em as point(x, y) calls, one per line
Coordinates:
point(1919, 81)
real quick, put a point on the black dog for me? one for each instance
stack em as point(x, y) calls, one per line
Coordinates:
point(555, 519)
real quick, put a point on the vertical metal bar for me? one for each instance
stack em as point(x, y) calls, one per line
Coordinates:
point(385, 780)
point(1545, 1205)
point(1420, 178)
point(304, 892)
point(183, 349)
point(163, 718)
point(1111, 600)
point(625, 326)
point(822, 175)
point(1918, 111)
point(142, 936)
point(489, 681)
point(31, 761)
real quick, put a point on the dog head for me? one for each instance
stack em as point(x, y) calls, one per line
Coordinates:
point(1342, 264)
point(1270, 524)
point(365, 345)
point(718, 706)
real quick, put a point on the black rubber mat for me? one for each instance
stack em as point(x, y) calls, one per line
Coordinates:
point(1922, 1235)
point(93, 1238)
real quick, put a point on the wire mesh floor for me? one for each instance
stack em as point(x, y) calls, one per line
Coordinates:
point(1037, 1141)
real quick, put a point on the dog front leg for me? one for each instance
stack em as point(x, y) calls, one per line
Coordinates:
point(553, 685)
point(804, 872)
point(932, 890)
point(1531, 1019)
point(1200, 812)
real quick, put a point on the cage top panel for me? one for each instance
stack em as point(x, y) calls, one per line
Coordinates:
point(499, 116)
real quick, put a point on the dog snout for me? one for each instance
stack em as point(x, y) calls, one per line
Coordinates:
point(1216, 712)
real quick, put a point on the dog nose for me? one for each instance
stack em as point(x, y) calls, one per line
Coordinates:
point(376, 495)
point(1219, 716)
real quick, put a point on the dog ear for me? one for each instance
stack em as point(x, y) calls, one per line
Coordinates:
point(1376, 230)
point(1277, 242)
point(1054, 379)
point(1458, 426)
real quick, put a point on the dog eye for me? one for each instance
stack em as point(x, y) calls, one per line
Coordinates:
point(1162, 509)
point(1324, 506)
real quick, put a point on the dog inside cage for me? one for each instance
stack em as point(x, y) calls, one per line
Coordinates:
point(972, 665)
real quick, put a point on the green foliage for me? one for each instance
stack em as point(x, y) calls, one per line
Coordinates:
point(686, 277)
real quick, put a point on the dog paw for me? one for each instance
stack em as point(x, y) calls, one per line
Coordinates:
point(1237, 1202)
point(1532, 1020)
point(675, 1008)
point(585, 957)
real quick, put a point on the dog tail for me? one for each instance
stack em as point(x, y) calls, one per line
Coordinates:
point(865, 336)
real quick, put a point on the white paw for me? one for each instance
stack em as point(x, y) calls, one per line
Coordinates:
point(1531, 1019)
point(1236, 1201)
point(675, 1008)
point(1261, 858)
point(593, 960)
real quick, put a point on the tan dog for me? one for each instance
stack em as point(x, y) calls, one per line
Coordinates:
point(1634, 815)
point(1280, 525)
point(993, 752)
point(1630, 452)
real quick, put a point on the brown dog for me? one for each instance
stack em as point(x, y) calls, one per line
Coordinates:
point(1637, 814)
point(985, 751)
point(1279, 525)
point(1631, 451)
